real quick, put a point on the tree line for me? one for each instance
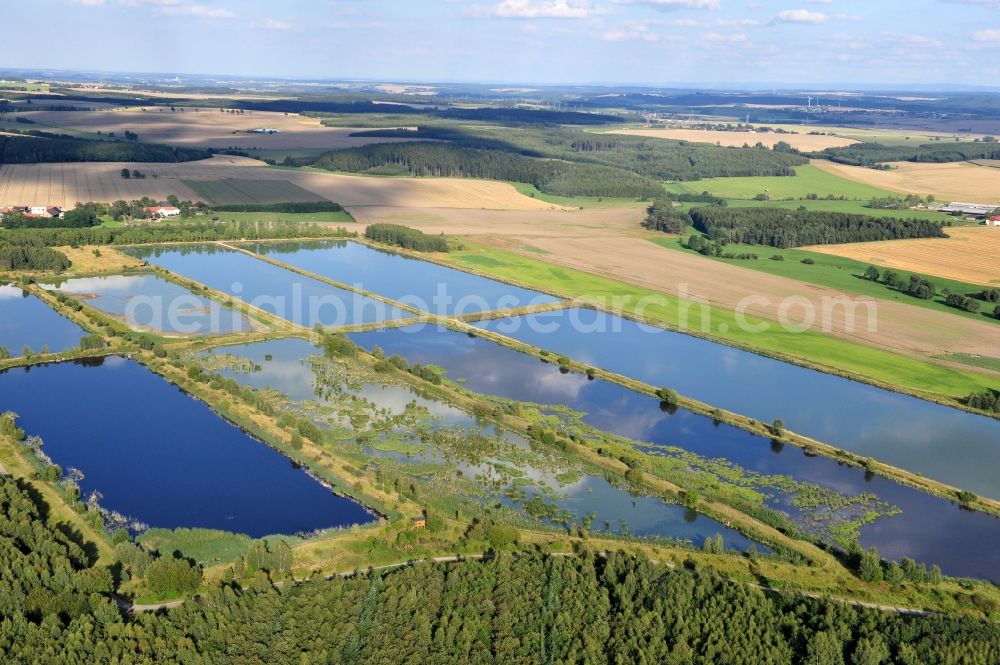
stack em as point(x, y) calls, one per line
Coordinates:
point(32, 150)
point(777, 227)
point(406, 237)
point(30, 249)
point(874, 154)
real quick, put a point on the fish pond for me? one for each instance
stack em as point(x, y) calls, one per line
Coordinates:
point(27, 322)
point(151, 303)
point(448, 452)
point(946, 444)
point(421, 284)
point(154, 454)
point(299, 299)
point(926, 528)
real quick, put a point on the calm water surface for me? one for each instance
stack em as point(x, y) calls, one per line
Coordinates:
point(162, 457)
point(281, 292)
point(149, 302)
point(27, 321)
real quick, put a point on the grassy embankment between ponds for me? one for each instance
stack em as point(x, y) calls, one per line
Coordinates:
point(839, 273)
point(826, 353)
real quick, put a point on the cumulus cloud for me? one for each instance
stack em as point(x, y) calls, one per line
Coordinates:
point(636, 32)
point(802, 16)
point(987, 36)
point(180, 8)
point(673, 4)
point(543, 9)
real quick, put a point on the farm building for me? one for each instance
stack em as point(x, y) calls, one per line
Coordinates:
point(33, 211)
point(164, 211)
point(419, 522)
point(265, 130)
point(993, 221)
point(971, 209)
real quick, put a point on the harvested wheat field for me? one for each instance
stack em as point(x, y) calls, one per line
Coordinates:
point(738, 139)
point(555, 223)
point(954, 181)
point(208, 128)
point(66, 184)
point(970, 254)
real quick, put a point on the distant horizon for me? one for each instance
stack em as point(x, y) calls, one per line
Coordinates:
point(710, 43)
point(50, 73)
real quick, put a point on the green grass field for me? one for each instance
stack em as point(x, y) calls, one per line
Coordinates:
point(838, 273)
point(807, 348)
point(235, 192)
point(808, 180)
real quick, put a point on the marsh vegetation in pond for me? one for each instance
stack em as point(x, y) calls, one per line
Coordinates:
point(151, 303)
point(421, 284)
point(155, 454)
point(299, 299)
point(488, 368)
point(946, 444)
point(445, 457)
point(27, 322)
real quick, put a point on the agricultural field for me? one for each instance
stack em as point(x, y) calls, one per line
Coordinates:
point(206, 128)
point(66, 184)
point(813, 178)
point(837, 272)
point(800, 140)
point(233, 191)
point(970, 254)
point(953, 181)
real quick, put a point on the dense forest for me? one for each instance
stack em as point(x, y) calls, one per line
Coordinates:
point(33, 150)
point(777, 227)
point(659, 159)
point(873, 154)
point(404, 236)
point(57, 607)
point(439, 159)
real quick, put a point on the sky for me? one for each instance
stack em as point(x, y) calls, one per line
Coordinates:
point(647, 42)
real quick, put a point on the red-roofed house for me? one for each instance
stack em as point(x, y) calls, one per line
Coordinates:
point(993, 221)
point(164, 211)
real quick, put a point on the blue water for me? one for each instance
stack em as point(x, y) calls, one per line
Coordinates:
point(928, 529)
point(160, 456)
point(149, 302)
point(949, 445)
point(426, 286)
point(299, 299)
point(26, 320)
point(281, 365)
